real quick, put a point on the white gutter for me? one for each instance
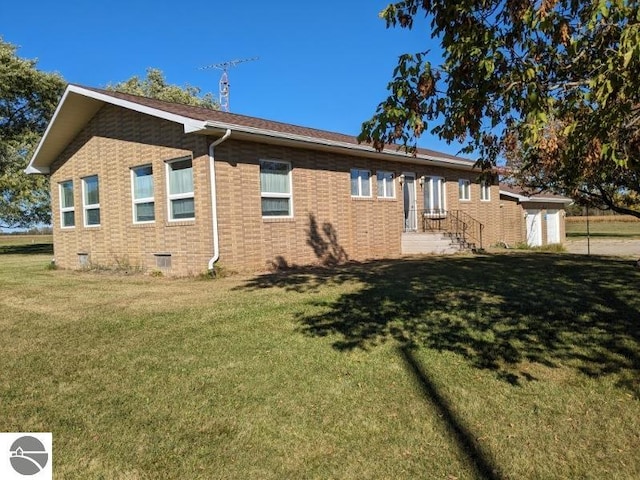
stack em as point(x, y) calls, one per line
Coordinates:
point(364, 148)
point(214, 205)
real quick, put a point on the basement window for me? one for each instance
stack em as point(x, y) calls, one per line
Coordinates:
point(163, 260)
point(83, 259)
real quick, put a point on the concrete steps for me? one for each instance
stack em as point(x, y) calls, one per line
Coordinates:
point(414, 243)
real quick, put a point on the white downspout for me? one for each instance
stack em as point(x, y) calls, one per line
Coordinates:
point(214, 206)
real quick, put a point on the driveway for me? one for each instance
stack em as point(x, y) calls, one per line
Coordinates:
point(628, 248)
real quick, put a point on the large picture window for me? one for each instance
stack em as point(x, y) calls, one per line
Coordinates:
point(67, 208)
point(385, 185)
point(142, 194)
point(91, 201)
point(275, 188)
point(180, 188)
point(360, 183)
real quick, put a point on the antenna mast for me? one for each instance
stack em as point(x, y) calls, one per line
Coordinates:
point(224, 78)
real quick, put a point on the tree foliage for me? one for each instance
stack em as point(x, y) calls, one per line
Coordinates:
point(154, 85)
point(553, 86)
point(28, 98)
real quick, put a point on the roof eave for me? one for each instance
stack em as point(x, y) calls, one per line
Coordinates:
point(525, 199)
point(78, 105)
point(364, 150)
point(56, 137)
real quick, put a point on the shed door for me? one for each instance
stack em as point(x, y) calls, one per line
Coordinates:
point(534, 232)
point(553, 226)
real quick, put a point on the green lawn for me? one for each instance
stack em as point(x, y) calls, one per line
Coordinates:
point(507, 366)
point(577, 229)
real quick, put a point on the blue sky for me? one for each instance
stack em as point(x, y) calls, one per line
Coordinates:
point(321, 64)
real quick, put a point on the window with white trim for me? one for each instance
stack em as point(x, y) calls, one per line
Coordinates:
point(180, 187)
point(434, 196)
point(464, 189)
point(360, 183)
point(485, 191)
point(67, 208)
point(276, 188)
point(91, 201)
point(385, 183)
point(142, 194)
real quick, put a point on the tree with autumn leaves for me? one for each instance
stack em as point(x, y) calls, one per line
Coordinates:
point(551, 88)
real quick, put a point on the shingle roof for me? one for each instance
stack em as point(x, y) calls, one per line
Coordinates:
point(80, 103)
point(518, 192)
point(207, 114)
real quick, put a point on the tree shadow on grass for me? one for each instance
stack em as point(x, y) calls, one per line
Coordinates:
point(27, 249)
point(498, 311)
point(482, 462)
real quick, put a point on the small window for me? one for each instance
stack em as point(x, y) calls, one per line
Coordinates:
point(181, 197)
point(464, 189)
point(386, 187)
point(485, 191)
point(275, 188)
point(360, 183)
point(142, 194)
point(91, 201)
point(67, 209)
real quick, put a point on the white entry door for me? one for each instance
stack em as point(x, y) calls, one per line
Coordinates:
point(409, 194)
point(534, 228)
point(553, 226)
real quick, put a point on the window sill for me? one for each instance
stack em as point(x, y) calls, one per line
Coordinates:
point(362, 199)
point(180, 223)
point(278, 219)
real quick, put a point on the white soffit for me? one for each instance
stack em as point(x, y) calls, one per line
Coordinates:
point(77, 106)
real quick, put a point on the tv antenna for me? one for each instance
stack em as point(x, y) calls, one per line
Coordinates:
point(224, 78)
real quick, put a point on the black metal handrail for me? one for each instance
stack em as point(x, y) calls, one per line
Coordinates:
point(454, 222)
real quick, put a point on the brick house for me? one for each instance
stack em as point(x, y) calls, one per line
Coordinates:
point(175, 188)
point(535, 220)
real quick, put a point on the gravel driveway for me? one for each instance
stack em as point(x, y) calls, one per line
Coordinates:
point(628, 248)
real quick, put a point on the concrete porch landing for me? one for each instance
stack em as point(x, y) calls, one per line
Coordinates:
point(414, 243)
